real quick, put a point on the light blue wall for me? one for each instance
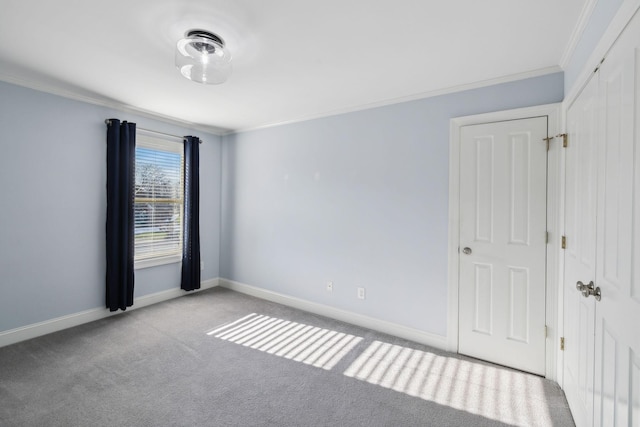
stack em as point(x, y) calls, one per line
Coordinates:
point(52, 214)
point(601, 17)
point(360, 199)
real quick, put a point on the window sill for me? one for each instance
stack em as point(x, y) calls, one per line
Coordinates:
point(154, 262)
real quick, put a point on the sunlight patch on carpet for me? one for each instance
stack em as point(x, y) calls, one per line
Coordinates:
point(493, 392)
point(322, 348)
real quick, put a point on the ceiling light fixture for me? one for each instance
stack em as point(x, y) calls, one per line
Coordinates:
point(202, 57)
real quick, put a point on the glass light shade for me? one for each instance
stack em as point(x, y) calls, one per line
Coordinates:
point(203, 60)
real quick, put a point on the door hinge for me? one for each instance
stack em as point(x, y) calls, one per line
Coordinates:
point(598, 66)
point(546, 331)
point(560, 135)
point(546, 238)
point(564, 242)
point(561, 343)
point(565, 143)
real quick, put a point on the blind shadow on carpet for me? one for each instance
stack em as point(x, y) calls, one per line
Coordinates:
point(221, 358)
point(491, 391)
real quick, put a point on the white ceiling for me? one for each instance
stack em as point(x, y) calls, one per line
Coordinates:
point(292, 59)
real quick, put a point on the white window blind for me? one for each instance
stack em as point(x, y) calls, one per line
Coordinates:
point(159, 199)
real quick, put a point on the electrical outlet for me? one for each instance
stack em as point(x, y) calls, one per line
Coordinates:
point(329, 286)
point(201, 265)
point(360, 293)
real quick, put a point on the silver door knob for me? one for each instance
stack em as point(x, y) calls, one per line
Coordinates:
point(590, 289)
point(466, 251)
point(585, 289)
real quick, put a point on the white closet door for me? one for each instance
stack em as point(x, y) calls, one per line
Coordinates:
point(617, 330)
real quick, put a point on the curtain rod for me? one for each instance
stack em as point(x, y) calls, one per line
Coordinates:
point(107, 121)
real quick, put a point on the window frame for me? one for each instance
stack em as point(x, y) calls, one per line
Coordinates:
point(161, 142)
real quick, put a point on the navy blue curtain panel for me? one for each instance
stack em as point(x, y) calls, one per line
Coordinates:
point(191, 223)
point(121, 151)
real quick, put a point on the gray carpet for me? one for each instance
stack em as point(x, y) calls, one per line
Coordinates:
point(220, 358)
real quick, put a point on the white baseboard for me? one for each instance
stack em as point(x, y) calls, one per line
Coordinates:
point(383, 326)
point(34, 330)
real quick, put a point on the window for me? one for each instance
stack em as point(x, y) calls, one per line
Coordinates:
point(158, 200)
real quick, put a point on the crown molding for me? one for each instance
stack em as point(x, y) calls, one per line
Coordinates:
point(104, 102)
point(408, 98)
point(578, 30)
point(108, 103)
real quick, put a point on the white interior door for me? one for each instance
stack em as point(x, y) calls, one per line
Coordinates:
point(503, 173)
point(617, 316)
point(580, 253)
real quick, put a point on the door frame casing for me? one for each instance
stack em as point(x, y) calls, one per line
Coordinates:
point(555, 185)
